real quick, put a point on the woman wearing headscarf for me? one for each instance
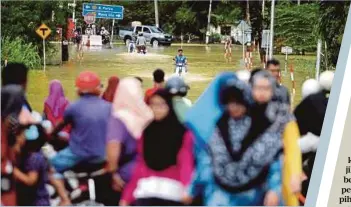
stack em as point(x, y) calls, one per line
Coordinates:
point(130, 115)
point(12, 100)
point(238, 163)
point(55, 106)
point(165, 162)
point(110, 91)
point(264, 93)
point(15, 118)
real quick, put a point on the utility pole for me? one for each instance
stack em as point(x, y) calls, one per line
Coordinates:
point(156, 14)
point(243, 36)
point(263, 9)
point(318, 63)
point(74, 13)
point(272, 30)
point(248, 12)
point(113, 28)
point(208, 23)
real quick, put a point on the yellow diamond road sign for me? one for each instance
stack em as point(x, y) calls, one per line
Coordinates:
point(43, 31)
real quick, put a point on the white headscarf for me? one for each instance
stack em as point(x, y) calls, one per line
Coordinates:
point(129, 106)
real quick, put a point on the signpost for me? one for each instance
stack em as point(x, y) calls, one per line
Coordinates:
point(103, 11)
point(245, 31)
point(287, 51)
point(43, 31)
point(272, 30)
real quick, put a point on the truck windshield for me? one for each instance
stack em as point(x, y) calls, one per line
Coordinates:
point(156, 30)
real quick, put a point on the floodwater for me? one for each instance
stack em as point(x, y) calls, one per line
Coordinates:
point(205, 62)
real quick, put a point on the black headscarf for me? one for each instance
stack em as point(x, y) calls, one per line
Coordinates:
point(259, 121)
point(228, 95)
point(255, 150)
point(12, 100)
point(163, 139)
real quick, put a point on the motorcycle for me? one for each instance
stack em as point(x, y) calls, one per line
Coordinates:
point(86, 183)
point(105, 39)
point(141, 49)
point(180, 69)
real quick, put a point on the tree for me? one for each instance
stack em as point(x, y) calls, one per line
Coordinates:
point(226, 13)
point(331, 26)
point(21, 19)
point(295, 26)
point(185, 17)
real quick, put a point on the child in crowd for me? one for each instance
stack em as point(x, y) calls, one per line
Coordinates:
point(32, 172)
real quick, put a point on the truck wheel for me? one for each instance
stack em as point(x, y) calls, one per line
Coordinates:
point(155, 43)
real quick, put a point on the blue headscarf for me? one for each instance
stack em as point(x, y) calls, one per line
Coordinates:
point(202, 118)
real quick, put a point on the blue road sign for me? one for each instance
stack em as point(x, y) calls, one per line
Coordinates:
point(103, 11)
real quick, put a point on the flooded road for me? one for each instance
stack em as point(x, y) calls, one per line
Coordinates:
point(204, 64)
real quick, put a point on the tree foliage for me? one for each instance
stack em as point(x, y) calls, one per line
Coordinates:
point(331, 26)
point(295, 25)
point(226, 13)
point(22, 18)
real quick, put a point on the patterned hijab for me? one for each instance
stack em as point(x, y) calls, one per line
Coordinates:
point(243, 149)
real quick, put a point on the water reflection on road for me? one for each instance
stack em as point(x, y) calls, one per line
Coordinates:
point(204, 64)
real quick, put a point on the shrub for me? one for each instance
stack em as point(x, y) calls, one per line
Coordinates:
point(16, 50)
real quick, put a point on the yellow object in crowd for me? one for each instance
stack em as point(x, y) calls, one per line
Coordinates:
point(292, 167)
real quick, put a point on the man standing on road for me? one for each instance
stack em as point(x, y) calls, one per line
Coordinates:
point(273, 66)
point(181, 59)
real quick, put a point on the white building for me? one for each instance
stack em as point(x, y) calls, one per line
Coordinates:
point(233, 31)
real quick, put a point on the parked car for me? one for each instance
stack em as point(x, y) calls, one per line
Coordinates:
point(154, 35)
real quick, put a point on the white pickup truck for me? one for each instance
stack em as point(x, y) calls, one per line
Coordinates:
point(153, 35)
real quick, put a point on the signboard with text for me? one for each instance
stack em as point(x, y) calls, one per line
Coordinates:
point(287, 50)
point(243, 32)
point(102, 11)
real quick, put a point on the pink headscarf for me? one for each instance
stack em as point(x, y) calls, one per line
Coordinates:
point(56, 100)
point(129, 106)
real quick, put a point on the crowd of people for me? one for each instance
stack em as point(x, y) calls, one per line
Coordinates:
point(239, 144)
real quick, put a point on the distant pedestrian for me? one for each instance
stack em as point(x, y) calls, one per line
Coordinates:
point(55, 105)
point(159, 79)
